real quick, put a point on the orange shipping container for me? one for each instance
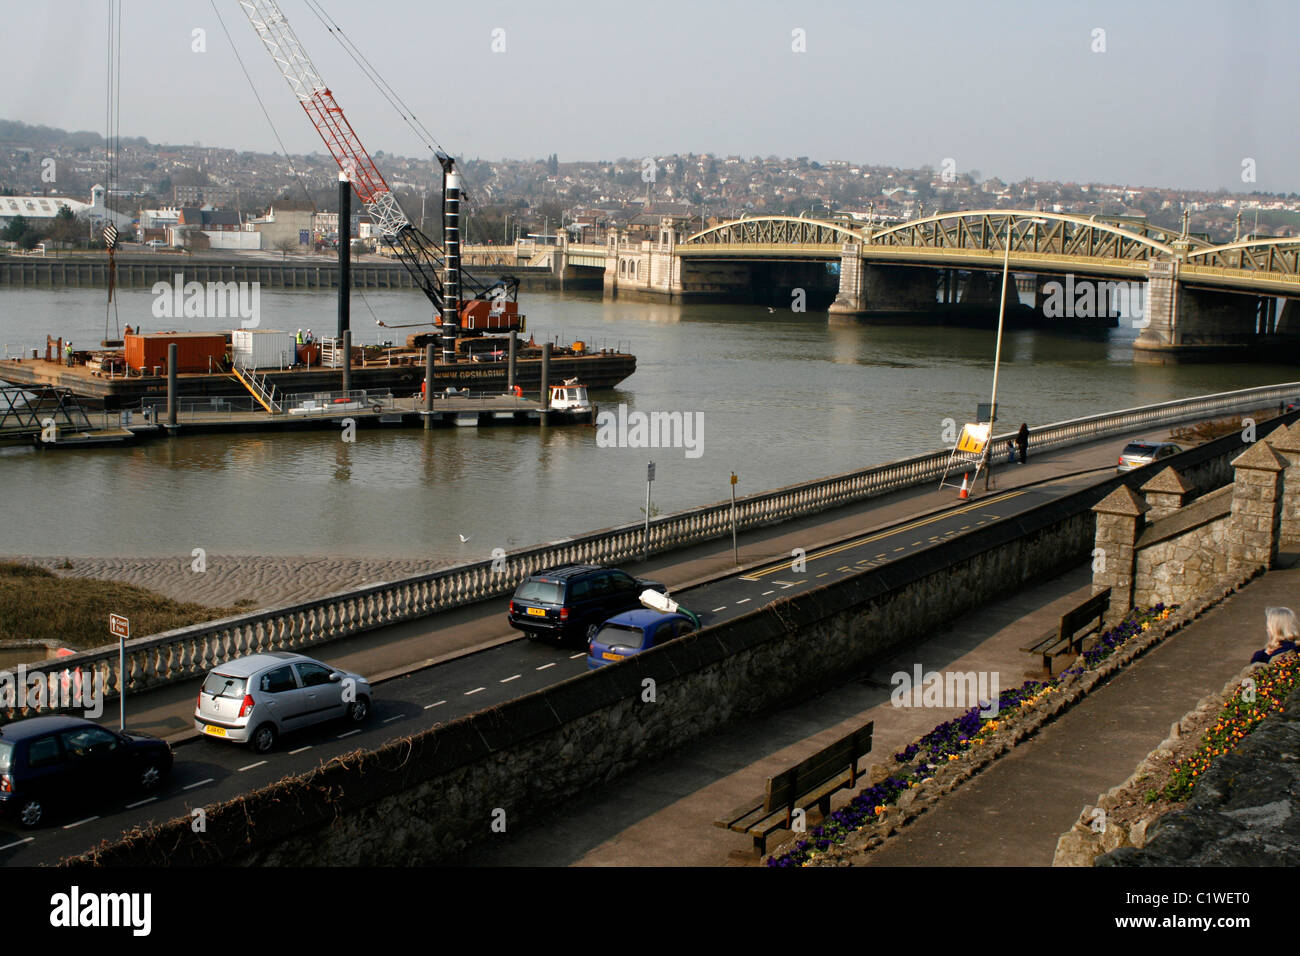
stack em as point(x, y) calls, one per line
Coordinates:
point(194, 351)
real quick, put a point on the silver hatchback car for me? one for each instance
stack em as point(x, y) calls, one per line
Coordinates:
point(255, 699)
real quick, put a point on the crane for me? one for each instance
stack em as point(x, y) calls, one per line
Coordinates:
point(469, 307)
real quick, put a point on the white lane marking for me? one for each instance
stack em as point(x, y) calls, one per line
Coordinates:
point(69, 826)
point(299, 750)
point(389, 720)
point(544, 666)
point(823, 574)
point(251, 766)
point(766, 593)
point(10, 846)
point(434, 704)
point(743, 601)
point(507, 680)
point(141, 803)
point(574, 657)
point(717, 609)
point(347, 734)
point(198, 784)
point(474, 691)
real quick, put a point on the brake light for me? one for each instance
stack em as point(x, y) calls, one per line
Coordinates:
point(512, 607)
point(247, 707)
point(564, 614)
point(6, 785)
point(591, 649)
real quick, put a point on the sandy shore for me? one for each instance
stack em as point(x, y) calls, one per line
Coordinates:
point(227, 580)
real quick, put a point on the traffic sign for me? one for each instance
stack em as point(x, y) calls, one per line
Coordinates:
point(650, 472)
point(110, 235)
point(119, 626)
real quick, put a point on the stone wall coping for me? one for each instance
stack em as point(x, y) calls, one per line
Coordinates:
point(1209, 507)
point(1169, 481)
point(1260, 456)
point(1122, 501)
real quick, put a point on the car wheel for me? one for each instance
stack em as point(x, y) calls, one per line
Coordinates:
point(359, 710)
point(150, 776)
point(31, 812)
point(263, 739)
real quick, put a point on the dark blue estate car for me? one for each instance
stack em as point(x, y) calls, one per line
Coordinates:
point(49, 763)
point(633, 632)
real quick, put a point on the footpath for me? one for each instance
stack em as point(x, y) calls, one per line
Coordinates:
point(399, 649)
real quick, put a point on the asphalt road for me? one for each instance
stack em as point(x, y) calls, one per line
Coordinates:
point(209, 771)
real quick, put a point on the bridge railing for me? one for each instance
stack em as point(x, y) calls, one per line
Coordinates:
point(189, 652)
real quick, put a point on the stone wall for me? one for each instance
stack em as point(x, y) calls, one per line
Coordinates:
point(1243, 810)
point(1185, 554)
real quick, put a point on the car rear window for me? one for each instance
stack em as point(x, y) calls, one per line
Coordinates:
point(543, 592)
point(1139, 448)
point(620, 634)
point(223, 685)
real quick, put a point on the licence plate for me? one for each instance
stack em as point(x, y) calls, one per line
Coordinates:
point(537, 611)
point(214, 731)
point(611, 657)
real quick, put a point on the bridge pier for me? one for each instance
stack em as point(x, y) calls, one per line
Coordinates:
point(869, 291)
point(1188, 324)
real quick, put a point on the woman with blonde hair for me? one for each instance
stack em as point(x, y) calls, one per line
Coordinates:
point(1283, 630)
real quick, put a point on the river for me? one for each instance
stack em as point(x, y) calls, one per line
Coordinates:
point(780, 397)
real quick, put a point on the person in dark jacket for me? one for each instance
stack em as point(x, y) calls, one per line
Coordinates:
point(1022, 441)
point(1283, 630)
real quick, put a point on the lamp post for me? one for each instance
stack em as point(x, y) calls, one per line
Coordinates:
point(997, 349)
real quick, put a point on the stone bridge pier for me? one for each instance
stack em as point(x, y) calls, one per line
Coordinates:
point(1185, 323)
point(876, 291)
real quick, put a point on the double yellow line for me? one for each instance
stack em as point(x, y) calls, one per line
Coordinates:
point(888, 533)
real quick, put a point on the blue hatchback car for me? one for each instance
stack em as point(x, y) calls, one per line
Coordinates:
point(633, 632)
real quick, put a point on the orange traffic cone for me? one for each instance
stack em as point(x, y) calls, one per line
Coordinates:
point(965, 486)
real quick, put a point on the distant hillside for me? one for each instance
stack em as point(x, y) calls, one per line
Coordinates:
point(15, 131)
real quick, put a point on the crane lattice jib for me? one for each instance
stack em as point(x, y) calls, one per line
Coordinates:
point(326, 115)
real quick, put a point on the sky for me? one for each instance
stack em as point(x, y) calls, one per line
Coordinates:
point(1142, 92)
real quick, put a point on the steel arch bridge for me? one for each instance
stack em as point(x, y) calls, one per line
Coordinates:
point(1050, 242)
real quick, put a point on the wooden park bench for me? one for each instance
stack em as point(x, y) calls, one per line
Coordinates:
point(1075, 625)
point(809, 782)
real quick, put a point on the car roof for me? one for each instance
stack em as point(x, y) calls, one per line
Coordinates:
point(35, 726)
point(250, 665)
point(643, 617)
point(565, 572)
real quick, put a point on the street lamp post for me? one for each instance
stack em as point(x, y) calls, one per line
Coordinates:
point(997, 350)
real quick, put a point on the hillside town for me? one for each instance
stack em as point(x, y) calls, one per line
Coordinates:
point(54, 190)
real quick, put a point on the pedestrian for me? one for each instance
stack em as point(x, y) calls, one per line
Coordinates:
point(298, 340)
point(1283, 630)
point(1022, 442)
point(68, 351)
point(1011, 451)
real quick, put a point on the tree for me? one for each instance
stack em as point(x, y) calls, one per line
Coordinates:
point(285, 246)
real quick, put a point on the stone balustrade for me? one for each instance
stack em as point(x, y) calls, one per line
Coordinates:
point(189, 652)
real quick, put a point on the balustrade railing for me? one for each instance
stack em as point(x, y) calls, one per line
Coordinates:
point(189, 652)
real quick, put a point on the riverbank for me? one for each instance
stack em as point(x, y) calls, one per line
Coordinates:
point(229, 580)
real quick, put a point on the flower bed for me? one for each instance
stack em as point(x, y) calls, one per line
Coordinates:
point(920, 761)
point(1242, 713)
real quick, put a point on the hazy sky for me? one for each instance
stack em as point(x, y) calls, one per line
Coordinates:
point(1182, 94)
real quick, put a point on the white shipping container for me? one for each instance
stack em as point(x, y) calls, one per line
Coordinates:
point(262, 348)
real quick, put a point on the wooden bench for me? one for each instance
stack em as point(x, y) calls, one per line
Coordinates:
point(1075, 625)
point(809, 782)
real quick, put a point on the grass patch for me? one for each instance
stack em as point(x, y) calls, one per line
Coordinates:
point(36, 604)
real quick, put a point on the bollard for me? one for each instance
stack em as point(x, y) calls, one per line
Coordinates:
point(510, 361)
point(428, 387)
point(546, 383)
point(171, 384)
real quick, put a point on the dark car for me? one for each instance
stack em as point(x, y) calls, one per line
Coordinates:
point(49, 763)
point(570, 603)
point(633, 632)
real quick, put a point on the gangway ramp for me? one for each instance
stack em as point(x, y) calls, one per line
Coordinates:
point(258, 386)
